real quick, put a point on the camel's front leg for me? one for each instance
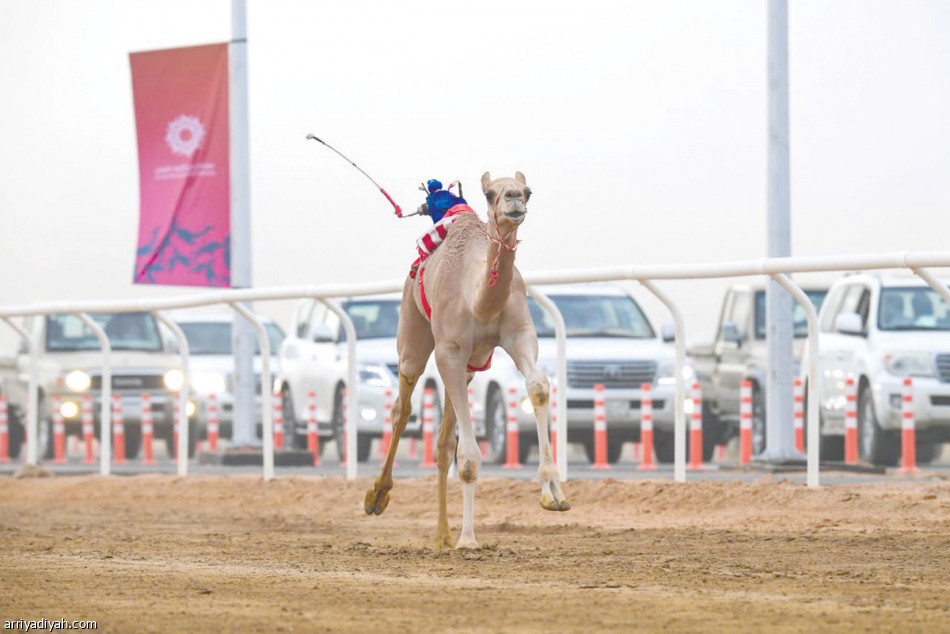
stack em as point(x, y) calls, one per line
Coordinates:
point(446, 452)
point(452, 360)
point(524, 353)
point(377, 498)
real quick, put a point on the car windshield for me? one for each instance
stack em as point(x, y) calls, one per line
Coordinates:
point(126, 331)
point(799, 318)
point(214, 337)
point(373, 319)
point(912, 309)
point(593, 316)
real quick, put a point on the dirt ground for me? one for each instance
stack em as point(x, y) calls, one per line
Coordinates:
point(233, 553)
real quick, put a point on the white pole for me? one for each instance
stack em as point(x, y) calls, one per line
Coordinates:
point(184, 433)
point(813, 426)
point(780, 434)
point(352, 388)
point(105, 406)
point(243, 432)
point(33, 395)
point(267, 404)
point(560, 333)
point(679, 413)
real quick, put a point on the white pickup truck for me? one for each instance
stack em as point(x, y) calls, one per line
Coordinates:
point(70, 366)
point(879, 330)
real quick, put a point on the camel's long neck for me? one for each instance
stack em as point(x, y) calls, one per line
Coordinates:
point(496, 282)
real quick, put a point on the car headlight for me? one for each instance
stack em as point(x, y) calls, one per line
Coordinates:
point(666, 374)
point(526, 405)
point(207, 382)
point(69, 409)
point(174, 380)
point(374, 374)
point(909, 364)
point(78, 381)
point(190, 408)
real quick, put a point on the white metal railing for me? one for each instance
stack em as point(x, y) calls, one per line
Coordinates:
point(776, 268)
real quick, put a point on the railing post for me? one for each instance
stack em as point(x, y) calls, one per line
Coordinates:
point(813, 428)
point(267, 404)
point(105, 406)
point(33, 394)
point(679, 415)
point(352, 387)
point(184, 352)
point(560, 335)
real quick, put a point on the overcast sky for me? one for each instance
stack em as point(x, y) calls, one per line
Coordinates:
point(640, 126)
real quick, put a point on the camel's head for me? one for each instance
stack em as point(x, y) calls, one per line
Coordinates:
point(507, 198)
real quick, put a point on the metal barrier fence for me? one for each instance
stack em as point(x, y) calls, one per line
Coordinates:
point(775, 268)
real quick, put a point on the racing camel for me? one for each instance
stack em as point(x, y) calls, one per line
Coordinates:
point(468, 299)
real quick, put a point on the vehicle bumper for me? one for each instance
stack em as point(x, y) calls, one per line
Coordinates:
point(623, 409)
point(162, 411)
point(931, 400)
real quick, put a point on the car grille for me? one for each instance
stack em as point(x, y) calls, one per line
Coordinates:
point(943, 367)
point(130, 382)
point(229, 384)
point(634, 404)
point(613, 374)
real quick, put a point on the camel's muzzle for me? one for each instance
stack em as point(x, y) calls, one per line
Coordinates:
point(516, 215)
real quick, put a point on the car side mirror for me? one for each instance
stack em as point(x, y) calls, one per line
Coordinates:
point(730, 332)
point(849, 324)
point(322, 333)
point(668, 332)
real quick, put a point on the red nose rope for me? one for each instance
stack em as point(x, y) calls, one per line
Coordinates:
point(502, 243)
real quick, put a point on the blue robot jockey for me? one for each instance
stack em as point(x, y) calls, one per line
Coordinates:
point(444, 208)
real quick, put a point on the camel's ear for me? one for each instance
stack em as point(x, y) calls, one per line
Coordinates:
point(520, 178)
point(486, 187)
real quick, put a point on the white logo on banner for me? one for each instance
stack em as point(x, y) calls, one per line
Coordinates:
point(184, 135)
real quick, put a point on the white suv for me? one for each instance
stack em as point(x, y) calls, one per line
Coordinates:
point(313, 357)
point(879, 330)
point(609, 341)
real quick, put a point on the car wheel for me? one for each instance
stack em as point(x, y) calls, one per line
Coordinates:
point(169, 439)
point(614, 448)
point(17, 434)
point(495, 421)
point(133, 440)
point(338, 429)
point(927, 452)
point(874, 444)
point(291, 440)
point(663, 446)
point(759, 438)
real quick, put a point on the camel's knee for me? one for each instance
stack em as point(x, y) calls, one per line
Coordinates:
point(539, 389)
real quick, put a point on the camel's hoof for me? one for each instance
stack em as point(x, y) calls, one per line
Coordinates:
point(443, 542)
point(550, 504)
point(376, 501)
point(467, 544)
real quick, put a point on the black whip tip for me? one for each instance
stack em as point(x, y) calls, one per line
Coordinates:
point(315, 138)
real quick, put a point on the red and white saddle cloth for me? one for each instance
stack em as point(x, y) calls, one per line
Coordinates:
point(426, 245)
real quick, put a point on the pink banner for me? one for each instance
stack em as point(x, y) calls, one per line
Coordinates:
point(181, 117)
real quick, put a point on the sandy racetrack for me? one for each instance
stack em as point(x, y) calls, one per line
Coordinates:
point(229, 553)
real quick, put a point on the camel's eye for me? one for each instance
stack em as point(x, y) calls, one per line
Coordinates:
point(527, 194)
point(490, 196)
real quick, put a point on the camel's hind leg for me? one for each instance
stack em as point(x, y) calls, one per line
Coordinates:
point(414, 343)
point(524, 353)
point(452, 361)
point(447, 446)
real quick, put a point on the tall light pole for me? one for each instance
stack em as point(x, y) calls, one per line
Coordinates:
point(780, 440)
point(243, 336)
